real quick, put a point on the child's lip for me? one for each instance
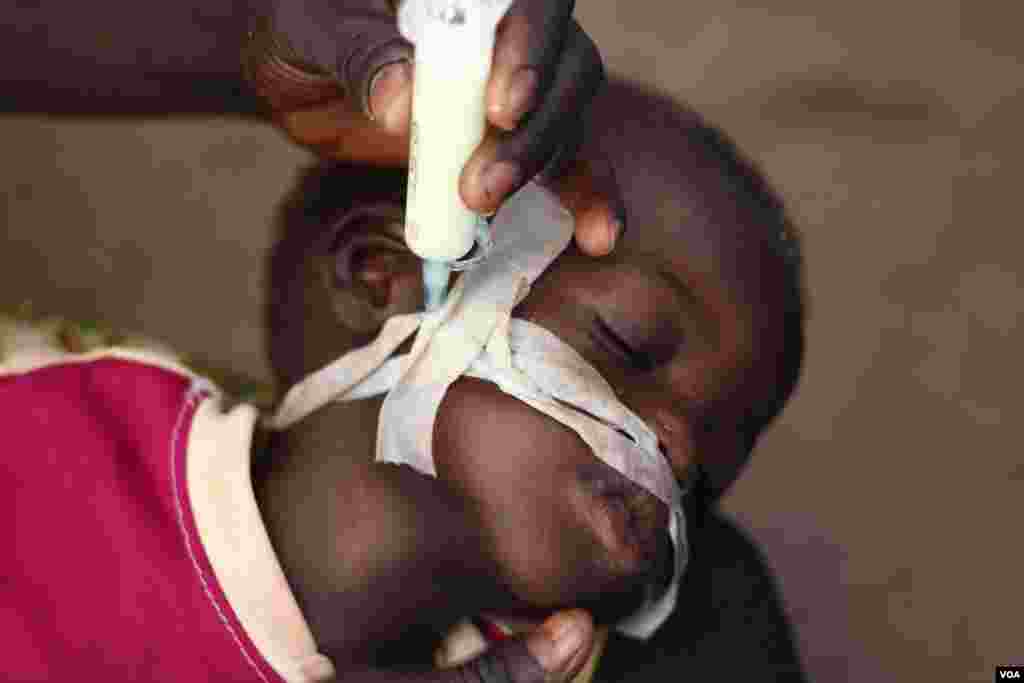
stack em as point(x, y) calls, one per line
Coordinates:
point(496, 628)
point(491, 629)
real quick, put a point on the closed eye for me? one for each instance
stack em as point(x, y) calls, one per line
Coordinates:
point(610, 340)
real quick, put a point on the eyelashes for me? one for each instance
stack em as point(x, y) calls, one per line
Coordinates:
point(610, 340)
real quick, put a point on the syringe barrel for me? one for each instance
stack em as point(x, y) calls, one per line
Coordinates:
point(453, 62)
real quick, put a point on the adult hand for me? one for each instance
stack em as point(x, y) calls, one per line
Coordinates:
point(338, 78)
point(553, 653)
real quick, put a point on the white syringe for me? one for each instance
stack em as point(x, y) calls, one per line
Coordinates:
point(454, 41)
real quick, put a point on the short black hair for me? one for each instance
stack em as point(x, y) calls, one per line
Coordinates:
point(747, 186)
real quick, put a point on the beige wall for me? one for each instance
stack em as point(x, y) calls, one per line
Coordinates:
point(889, 498)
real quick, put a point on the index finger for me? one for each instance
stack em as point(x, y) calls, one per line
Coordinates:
point(528, 41)
point(590, 191)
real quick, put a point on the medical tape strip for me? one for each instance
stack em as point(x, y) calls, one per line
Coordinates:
point(474, 335)
point(330, 383)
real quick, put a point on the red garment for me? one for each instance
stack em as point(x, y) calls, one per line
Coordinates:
point(105, 577)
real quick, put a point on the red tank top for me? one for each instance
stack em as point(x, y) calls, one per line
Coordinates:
point(104, 575)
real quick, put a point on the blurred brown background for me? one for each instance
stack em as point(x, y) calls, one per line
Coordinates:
point(888, 499)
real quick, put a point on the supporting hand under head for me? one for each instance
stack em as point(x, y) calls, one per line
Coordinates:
point(553, 653)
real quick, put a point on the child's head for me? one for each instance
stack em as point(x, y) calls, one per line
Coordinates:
point(695, 319)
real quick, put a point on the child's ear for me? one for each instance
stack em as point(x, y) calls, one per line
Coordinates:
point(371, 277)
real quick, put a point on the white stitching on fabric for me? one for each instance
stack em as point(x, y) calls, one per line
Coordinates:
point(195, 393)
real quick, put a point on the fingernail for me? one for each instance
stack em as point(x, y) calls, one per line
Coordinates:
point(499, 179)
point(390, 96)
point(519, 98)
point(556, 644)
point(568, 642)
point(612, 232)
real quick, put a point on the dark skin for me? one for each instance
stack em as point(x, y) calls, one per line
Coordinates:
point(180, 58)
point(563, 529)
point(183, 58)
point(687, 318)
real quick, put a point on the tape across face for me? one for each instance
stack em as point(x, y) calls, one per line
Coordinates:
point(474, 335)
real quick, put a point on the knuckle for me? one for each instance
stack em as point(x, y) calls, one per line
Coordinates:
point(367, 55)
point(589, 54)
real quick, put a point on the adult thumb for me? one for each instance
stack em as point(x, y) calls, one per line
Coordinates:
point(552, 653)
point(352, 40)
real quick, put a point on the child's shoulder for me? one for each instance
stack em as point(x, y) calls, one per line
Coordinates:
point(30, 338)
